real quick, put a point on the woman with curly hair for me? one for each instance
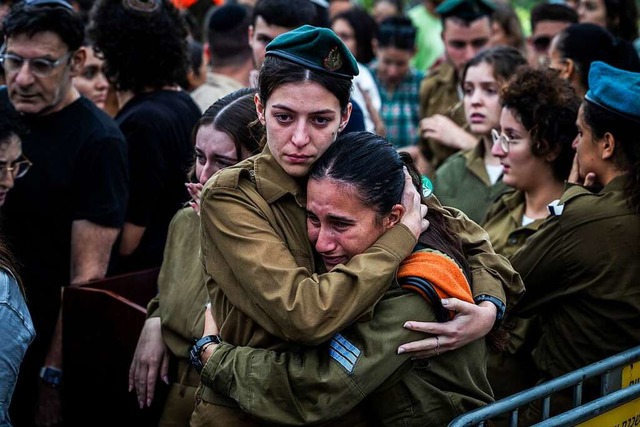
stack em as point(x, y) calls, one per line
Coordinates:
point(144, 48)
point(537, 127)
point(581, 268)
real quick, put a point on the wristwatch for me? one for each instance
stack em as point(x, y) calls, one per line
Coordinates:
point(196, 350)
point(51, 376)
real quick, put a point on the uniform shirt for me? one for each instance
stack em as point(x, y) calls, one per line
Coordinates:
point(581, 272)
point(503, 222)
point(216, 86)
point(439, 95)
point(16, 333)
point(462, 182)
point(181, 290)
point(400, 110)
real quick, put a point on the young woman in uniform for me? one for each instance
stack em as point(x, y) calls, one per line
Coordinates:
point(222, 137)
point(261, 271)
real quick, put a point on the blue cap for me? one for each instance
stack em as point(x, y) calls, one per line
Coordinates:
point(615, 90)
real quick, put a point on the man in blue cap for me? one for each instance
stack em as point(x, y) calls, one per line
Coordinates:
point(466, 29)
point(63, 217)
point(581, 268)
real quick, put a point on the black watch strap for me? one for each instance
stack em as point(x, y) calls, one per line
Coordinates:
point(196, 350)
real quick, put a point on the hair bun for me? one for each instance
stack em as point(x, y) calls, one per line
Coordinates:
point(144, 6)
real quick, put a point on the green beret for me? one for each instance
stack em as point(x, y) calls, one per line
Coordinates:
point(614, 90)
point(467, 10)
point(319, 49)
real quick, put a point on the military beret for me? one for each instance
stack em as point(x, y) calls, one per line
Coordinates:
point(614, 90)
point(468, 10)
point(319, 49)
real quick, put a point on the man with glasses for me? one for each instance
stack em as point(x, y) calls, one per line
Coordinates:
point(547, 20)
point(61, 218)
point(466, 29)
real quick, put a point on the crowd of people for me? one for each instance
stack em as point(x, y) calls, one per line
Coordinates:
point(394, 213)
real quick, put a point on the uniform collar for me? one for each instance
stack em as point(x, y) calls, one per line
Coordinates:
point(273, 182)
point(616, 184)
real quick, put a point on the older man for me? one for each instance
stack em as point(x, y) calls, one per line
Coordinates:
point(63, 217)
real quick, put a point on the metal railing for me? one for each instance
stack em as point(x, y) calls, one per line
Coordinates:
point(609, 399)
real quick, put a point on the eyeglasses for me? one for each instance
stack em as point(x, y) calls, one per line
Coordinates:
point(41, 67)
point(504, 141)
point(16, 169)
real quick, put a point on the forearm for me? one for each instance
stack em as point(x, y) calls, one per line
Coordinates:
point(319, 383)
point(90, 250)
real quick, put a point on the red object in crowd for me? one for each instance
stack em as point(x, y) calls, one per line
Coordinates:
point(186, 4)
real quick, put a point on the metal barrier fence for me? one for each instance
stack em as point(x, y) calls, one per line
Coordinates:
point(609, 399)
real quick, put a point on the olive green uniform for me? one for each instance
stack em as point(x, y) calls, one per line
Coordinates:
point(439, 94)
point(358, 365)
point(582, 276)
point(179, 304)
point(260, 269)
point(463, 182)
point(512, 370)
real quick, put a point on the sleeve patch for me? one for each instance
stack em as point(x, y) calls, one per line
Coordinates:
point(344, 352)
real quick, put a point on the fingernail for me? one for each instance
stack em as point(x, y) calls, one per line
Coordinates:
point(207, 305)
point(407, 325)
point(148, 402)
point(165, 379)
point(445, 301)
point(401, 350)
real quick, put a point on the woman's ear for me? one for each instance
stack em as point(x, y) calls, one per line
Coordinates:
point(608, 146)
point(259, 108)
point(568, 69)
point(397, 211)
point(344, 118)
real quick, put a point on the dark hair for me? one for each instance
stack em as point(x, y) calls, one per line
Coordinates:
point(364, 29)
point(227, 34)
point(10, 124)
point(503, 59)
point(372, 165)
point(398, 32)
point(627, 150)
point(30, 20)
point(552, 12)
point(8, 263)
point(276, 72)
point(285, 13)
point(622, 18)
point(142, 49)
point(547, 107)
point(585, 43)
point(505, 16)
point(234, 114)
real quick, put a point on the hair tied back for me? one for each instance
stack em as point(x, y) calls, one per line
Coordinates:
point(142, 6)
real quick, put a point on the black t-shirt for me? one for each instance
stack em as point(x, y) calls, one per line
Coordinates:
point(79, 172)
point(157, 127)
